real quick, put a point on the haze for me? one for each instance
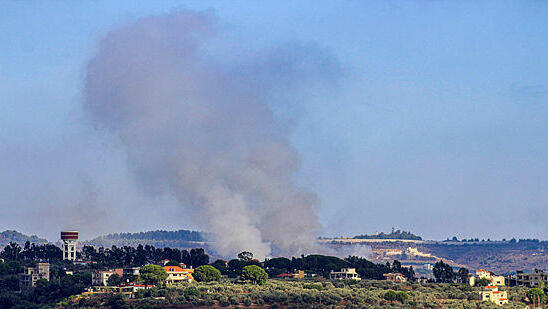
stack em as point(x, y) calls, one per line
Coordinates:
point(425, 116)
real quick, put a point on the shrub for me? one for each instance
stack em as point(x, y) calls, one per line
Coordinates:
point(191, 292)
point(224, 303)
point(390, 295)
point(401, 296)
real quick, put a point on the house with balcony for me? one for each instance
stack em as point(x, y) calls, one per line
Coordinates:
point(345, 274)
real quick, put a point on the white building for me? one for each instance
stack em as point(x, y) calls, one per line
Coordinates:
point(484, 274)
point(491, 293)
point(100, 277)
point(176, 274)
point(345, 274)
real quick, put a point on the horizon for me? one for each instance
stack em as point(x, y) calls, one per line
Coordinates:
point(362, 116)
point(320, 237)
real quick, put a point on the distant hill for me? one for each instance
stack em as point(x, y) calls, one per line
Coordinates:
point(13, 236)
point(393, 235)
point(159, 238)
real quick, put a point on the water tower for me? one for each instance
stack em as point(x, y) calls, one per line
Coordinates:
point(69, 239)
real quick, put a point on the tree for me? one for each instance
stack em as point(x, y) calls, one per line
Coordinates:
point(10, 283)
point(443, 272)
point(206, 273)
point(114, 280)
point(198, 257)
point(221, 266)
point(153, 274)
point(245, 256)
point(172, 263)
point(462, 275)
point(482, 282)
point(536, 296)
point(254, 273)
point(390, 295)
point(11, 251)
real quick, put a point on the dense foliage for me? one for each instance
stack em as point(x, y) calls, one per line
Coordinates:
point(153, 275)
point(254, 274)
point(303, 294)
point(443, 272)
point(47, 252)
point(206, 273)
point(45, 292)
point(157, 235)
point(141, 255)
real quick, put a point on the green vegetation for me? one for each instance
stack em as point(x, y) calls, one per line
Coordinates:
point(443, 272)
point(397, 234)
point(153, 275)
point(45, 294)
point(207, 273)
point(254, 273)
point(482, 282)
point(141, 255)
point(302, 294)
point(156, 235)
point(114, 280)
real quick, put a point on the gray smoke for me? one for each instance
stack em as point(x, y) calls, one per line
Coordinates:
point(204, 130)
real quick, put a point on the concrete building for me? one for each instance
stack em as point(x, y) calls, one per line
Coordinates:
point(131, 271)
point(100, 277)
point(491, 293)
point(32, 274)
point(396, 277)
point(69, 241)
point(176, 274)
point(484, 274)
point(345, 274)
point(531, 279)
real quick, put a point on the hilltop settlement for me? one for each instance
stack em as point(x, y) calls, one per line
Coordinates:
point(401, 272)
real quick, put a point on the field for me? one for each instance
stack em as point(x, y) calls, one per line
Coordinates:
point(300, 294)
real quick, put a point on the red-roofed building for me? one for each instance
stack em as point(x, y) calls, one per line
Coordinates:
point(297, 275)
point(177, 274)
point(491, 293)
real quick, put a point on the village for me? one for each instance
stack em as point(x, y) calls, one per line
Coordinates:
point(132, 281)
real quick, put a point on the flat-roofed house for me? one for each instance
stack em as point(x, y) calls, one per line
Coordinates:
point(345, 274)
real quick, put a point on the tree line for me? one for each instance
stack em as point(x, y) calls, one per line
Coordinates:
point(142, 255)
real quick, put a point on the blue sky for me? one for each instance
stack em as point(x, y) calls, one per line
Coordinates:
point(439, 124)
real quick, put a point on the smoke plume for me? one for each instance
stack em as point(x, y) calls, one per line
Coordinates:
point(204, 130)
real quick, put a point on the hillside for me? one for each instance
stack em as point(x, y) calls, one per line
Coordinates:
point(13, 236)
point(159, 238)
